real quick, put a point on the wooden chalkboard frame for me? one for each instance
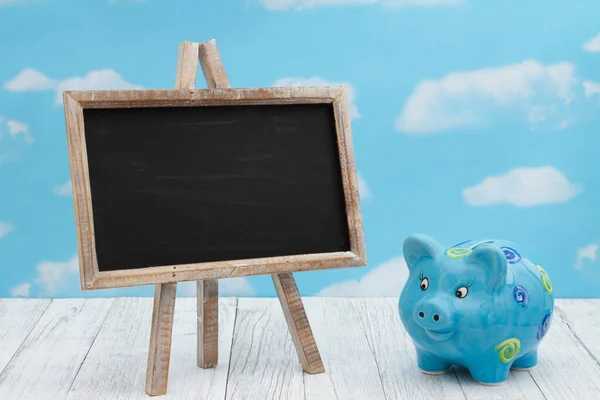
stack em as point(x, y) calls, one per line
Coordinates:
point(91, 278)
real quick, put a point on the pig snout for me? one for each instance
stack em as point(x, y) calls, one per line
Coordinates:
point(432, 315)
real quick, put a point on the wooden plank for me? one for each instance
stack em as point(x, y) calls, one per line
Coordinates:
point(18, 317)
point(204, 97)
point(116, 364)
point(582, 316)
point(82, 199)
point(224, 269)
point(566, 369)
point(297, 322)
point(349, 175)
point(263, 360)
point(208, 290)
point(395, 355)
point(49, 359)
point(212, 65)
point(159, 354)
point(351, 367)
point(187, 65)
point(207, 309)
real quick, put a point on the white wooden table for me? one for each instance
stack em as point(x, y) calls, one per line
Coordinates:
point(97, 349)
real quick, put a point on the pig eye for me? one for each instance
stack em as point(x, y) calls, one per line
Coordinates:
point(461, 292)
point(424, 283)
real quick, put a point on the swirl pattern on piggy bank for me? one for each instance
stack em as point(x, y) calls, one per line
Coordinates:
point(543, 328)
point(545, 279)
point(508, 349)
point(520, 295)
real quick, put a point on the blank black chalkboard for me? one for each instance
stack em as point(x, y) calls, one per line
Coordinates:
point(182, 185)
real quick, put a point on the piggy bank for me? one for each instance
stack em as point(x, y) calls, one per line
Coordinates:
point(478, 304)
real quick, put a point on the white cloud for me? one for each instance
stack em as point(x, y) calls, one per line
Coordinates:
point(565, 123)
point(21, 290)
point(236, 287)
point(19, 128)
point(30, 79)
point(592, 45)
point(104, 79)
point(588, 252)
point(62, 279)
point(63, 190)
point(385, 280)
point(591, 88)
point(301, 5)
point(541, 113)
point(318, 81)
point(363, 188)
point(229, 287)
point(11, 149)
point(51, 275)
point(465, 99)
point(5, 228)
point(522, 187)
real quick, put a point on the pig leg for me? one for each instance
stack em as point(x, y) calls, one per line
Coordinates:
point(526, 361)
point(491, 374)
point(431, 364)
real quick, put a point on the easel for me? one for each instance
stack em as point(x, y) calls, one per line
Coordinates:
point(208, 290)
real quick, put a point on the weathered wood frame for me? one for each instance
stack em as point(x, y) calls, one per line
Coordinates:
point(91, 278)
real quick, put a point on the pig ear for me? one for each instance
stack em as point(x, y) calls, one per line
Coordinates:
point(417, 247)
point(494, 263)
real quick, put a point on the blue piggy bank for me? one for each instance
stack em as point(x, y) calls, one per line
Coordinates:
point(478, 304)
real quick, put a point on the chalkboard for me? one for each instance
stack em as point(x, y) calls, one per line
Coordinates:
point(196, 186)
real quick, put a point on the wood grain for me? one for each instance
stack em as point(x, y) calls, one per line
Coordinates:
point(205, 97)
point(18, 317)
point(208, 323)
point(223, 269)
point(351, 367)
point(96, 349)
point(582, 317)
point(349, 175)
point(297, 322)
point(49, 359)
point(115, 367)
point(116, 362)
point(208, 290)
point(212, 66)
point(187, 65)
point(82, 199)
point(159, 354)
point(263, 361)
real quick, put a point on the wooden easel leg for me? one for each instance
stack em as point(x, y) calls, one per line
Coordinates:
point(208, 323)
point(208, 290)
point(159, 355)
point(297, 322)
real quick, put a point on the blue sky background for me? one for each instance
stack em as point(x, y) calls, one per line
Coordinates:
point(472, 120)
